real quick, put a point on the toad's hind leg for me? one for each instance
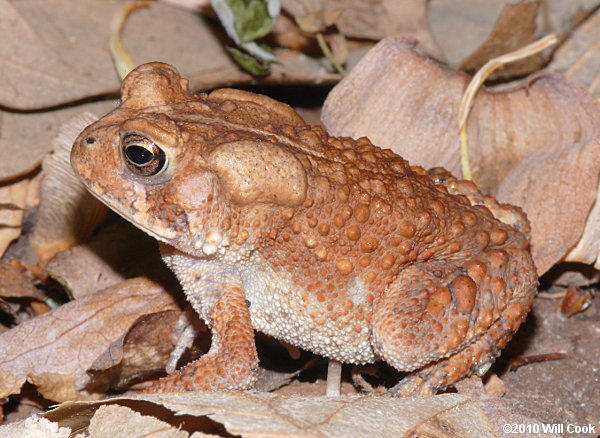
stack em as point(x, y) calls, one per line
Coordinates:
point(448, 319)
point(231, 363)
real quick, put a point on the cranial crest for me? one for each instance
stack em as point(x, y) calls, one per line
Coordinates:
point(153, 84)
point(283, 112)
point(259, 171)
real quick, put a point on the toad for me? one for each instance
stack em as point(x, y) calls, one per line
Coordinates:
point(332, 245)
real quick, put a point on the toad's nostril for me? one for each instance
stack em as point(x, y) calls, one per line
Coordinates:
point(90, 140)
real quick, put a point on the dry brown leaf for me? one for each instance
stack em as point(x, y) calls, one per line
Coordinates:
point(286, 33)
point(270, 380)
point(144, 350)
point(514, 29)
point(374, 19)
point(476, 83)
point(26, 137)
point(587, 248)
point(497, 410)
point(264, 414)
point(42, 66)
point(494, 386)
point(56, 386)
point(576, 300)
point(563, 15)
point(557, 186)
point(106, 421)
point(56, 349)
point(41, 63)
point(319, 20)
point(109, 418)
point(460, 27)
point(117, 252)
point(35, 427)
point(15, 284)
point(13, 198)
point(579, 57)
point(422, 98)
point(68, 213)
point(532, 146)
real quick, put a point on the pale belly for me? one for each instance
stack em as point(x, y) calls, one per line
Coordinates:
point(290, 314)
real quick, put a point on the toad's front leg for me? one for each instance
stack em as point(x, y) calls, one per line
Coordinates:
point(232, 362)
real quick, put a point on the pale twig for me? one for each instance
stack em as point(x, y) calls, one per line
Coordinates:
point(328, 54)
point(123, 62)
point(476, 83)
point(334, 378)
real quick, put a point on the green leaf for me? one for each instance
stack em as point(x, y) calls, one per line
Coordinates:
point(251, 19)
point(252, 65)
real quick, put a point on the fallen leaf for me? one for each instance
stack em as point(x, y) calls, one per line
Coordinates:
point(576, 300)
point(573, 274)
point(41, 64)
point(286, 33)
point(579, 57)
point(43, 67)
point(524, 143)
point(494, 386)
point(13, 198)
point(245, 23)
point(587, 248)
point(144, 349)
point(27, 136)
point(374, 19)
point(270, 380)
point(557, 186)
point(318, 21)
point(249, 20)
point(265, 414)
point(68, 213)
point(515, 28)
point(117, 252)
point(562, 15)
point(35, 427)
point(461, 27)
point(56, 349)
point(14, 283)
point(128, 422)
point(497, 410)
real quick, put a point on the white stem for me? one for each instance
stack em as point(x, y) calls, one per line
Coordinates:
point(334, 378)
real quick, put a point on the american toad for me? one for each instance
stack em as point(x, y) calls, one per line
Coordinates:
point(329, 244)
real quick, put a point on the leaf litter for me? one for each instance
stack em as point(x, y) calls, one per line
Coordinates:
point(532, 144)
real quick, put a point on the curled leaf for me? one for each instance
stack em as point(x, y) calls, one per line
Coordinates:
point(68, 213)
point(54, 350)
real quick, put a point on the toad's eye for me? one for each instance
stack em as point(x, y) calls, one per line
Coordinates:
point(142, 156)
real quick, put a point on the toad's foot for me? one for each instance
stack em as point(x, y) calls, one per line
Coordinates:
point(475, 358)
point(231, 363)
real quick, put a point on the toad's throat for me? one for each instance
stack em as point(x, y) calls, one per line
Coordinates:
point(137, 218)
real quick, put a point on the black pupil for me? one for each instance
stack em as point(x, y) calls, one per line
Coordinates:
point(139, 155)
point(143, 157)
